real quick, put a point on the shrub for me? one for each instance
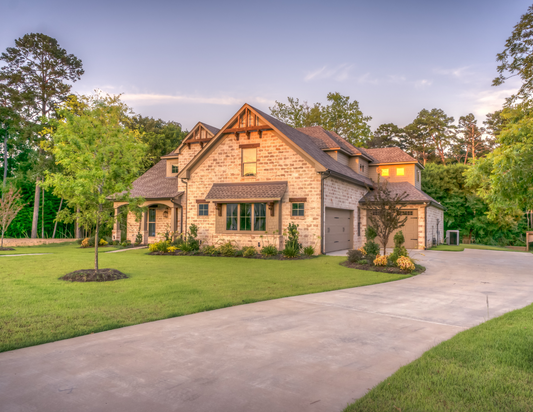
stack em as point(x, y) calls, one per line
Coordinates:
point(405, 263)
point(138, 239)
point(209, 250)
point(161, 246)
point(293, 237)
point(371, 247)
point(116, 242)
point(380, 260)
point(362, 250)
point(228, 248)
point(363, 262)
point(126, 243)
point(79, 241)
point(85, 242)
point(290, 252)
point(239, 253)
point(103, 242)
point(354, 255)
point(172, 249)
point(309, 251)
point(399, 249)
point(249, 251)
point(269, 250)
point(152, 247)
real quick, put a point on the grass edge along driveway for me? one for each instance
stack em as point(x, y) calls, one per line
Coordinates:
point(461, 247)
point(36, 307)
point(486, 368)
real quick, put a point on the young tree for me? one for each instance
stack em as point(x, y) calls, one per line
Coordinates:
point(10, 205)
point(36, 74)
point(384, 212)
point(470, 137)
point(99, 157)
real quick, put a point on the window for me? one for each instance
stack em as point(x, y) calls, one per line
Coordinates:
point(203, 209)
point(151, 222)
point(362, 168)
point(249, 161)
point(298, 209)
point(260, 216)
point(246, 217)
point(232, 211)
point(400, 171)
point(175, 169)
point(384, 172)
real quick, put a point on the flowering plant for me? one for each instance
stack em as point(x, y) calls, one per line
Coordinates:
point(405, 263)
point(380, 260)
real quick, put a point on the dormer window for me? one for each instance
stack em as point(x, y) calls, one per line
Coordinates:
point(400, 171)
point(362, 168)
point(175, 169)
point(385, 172)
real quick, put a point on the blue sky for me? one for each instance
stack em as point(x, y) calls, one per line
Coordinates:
point(192, 61)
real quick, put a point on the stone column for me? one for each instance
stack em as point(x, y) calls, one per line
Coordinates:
point(173, 221)
point(116, 227)
point(144, 227)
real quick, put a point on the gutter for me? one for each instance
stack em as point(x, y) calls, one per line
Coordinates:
point(323, 210)
point(426, 225)
point(184, 181)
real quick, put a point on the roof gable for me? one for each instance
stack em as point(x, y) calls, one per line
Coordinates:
point(391, 155)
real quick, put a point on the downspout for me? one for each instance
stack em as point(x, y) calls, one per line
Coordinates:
point(426, 225)
point(184, 181)
point(323, 211)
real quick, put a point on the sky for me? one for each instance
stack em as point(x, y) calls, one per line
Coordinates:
point(190, 61)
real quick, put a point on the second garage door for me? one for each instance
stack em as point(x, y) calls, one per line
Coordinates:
point(339, 224)
point(410, 231)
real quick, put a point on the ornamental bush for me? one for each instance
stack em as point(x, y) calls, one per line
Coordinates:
point(405, 263)
point(228, 248)
point(172, 249)
point(355, 255)
point(399, 249)
point(291, 252)
point(309, 250)
point(371, 247)
point(210, 250)
point(380, 260)
point(249, 251)
point(269, 250)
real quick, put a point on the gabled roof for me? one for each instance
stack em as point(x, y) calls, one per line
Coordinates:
point(414, 195)
point(214, 130)
point(326, 139)
point(247, 191)
point(391, 155)
point(211, 130)
point(154, 184)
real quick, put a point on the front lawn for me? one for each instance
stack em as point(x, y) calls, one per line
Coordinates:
point(462, 246)
point(36, 307)
point(486, 368)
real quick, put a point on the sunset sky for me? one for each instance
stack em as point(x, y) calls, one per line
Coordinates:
point(192, 61)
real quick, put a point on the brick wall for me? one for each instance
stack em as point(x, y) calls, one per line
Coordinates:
point(275, 162)
point(33, 242)
point(433, 215)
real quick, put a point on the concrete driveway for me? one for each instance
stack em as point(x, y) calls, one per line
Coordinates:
point(307, 353)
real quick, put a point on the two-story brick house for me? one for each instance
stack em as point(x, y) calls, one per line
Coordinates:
point(248, 180)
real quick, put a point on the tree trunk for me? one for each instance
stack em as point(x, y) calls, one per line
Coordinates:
point(79, 230)
point(42, 218)
point(35, 220)
point(96, 240)
point(55, 225)
point(5, 164)
point(2, 241)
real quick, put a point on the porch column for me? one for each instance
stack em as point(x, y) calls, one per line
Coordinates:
point(116, 227)
point(173, 220)
point(144, 227)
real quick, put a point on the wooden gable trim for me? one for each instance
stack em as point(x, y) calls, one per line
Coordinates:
point(217, 139)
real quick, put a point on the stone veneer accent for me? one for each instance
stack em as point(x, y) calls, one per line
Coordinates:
point(10, 242)
point(434, 214)
point(275, 162)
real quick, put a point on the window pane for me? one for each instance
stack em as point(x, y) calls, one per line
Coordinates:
point(151, 229)
point(151, 215)
point(231, 216)
point(298, 209)
point(249, 169)
point(246, 216)
point(249, 155)
point(175, 169)
point(384, 172)
point(260, 216)
point(400, 171)
point(203, 209)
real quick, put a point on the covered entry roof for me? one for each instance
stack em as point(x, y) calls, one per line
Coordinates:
point(247, 191)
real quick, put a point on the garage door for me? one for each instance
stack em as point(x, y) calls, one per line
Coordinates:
point(339, 224)
point(410, 231)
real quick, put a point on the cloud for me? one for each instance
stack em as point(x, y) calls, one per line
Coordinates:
point(459, 73)
point(368, 79)
point(396, 78)
point(339, 73)
point(148, 99)
point(488, 101)
point(423, 83)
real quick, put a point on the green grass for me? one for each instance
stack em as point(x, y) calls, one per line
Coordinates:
point(486, 368)
point(462, 246)
point(36, 307)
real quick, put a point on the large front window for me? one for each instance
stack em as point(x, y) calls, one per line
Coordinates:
point(246, 217)
point(249, 161)
point(151, 222)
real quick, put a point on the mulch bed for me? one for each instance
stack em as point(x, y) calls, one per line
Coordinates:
point(258, 256)
point(90, 275)
point(6, 248)
point(385, 269)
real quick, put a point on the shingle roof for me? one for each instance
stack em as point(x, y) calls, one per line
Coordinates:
point(212, 129)
point(247, 190)
point(310, 147)
point(390, 155)
point(326, 139)
point(154, 184)
point(413, 194)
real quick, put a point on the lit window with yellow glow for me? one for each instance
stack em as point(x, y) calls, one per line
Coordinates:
point(384, 172)
point(400, 171)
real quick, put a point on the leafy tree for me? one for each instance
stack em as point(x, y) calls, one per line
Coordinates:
point(35, 76)
point(161, 137)
point(504, 179)
point(10, 205)
point(517, 58)
point(431, 131)
point(341, 116)
point(388, 134)
point(100, 157)
point(384, 212)
point(469, 139)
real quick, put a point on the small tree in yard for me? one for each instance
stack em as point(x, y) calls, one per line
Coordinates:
point(384, 212)
point(99, 158)
point(10, 205)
